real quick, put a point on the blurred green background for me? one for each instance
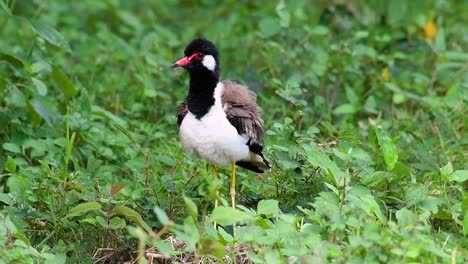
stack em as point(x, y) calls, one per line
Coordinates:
point(365, 111)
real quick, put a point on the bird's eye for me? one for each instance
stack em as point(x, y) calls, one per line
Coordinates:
point(200, 55)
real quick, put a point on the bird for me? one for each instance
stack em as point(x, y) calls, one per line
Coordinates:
point(219, 121)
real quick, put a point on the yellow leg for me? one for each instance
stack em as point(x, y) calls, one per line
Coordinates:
point(233, 193)
point(215, 174)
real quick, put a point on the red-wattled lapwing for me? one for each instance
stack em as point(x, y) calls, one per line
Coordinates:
point(219, 121)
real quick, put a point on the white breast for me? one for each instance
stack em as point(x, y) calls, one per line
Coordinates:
point(212, 137)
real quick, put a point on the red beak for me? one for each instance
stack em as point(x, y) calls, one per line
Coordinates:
point(181, 63)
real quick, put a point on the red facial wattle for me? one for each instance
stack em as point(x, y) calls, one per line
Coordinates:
point(187, 60)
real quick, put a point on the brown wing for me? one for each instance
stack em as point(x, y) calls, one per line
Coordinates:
point(242, 111)
point(182, 110)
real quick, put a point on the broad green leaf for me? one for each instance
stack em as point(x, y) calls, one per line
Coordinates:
point(387, 147)
point(63, 82)
point(12, 60)
point(268, 207)
point(224, 236)
point(416, 194)
point(162, 216)
point(164, 247)
point(319, 159)
point(375, 179)
point(83, 208)
point(55, 259)
point(100, 220)
point(269, 26)
point(6, 199)
point(11, 147)
point(9, 225)
point(465, 224)
point(228, 216)
point(459, 176)
point(455, 56)
point(406, 217)
point(99, 111)
point(447, 170)
point(45, 108)
point(465, 202)
point(249, 233)
point(132, 215)
point(23, 238)
point(430, 204)
point(361, 197)
point(51, 35)
point(191, 206)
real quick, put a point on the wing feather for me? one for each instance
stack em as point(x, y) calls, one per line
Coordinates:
point(242, 111)
point(182, 111)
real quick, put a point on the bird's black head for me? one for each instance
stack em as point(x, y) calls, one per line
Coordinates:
point(201, 55)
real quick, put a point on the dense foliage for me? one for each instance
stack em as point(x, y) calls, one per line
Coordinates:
point(365, 110)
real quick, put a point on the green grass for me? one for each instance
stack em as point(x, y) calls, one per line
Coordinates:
point(364, 109)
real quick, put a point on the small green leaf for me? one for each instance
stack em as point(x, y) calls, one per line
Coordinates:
point(117, 223)
point(116, 188)
point(55, 259)
point(398, 98)
point(51, 35)
point(164, 247)
point(345, 109)
point(132, 215)
point(10, 164)
point(97, 110)
point(211, 247)
point(228, 216)
point(69, 148)
point(5, 7)
point(319, 30)
point(38, 66)
point(268, 207)
point(63, 82)
point(192, 207)
point(387, 147)
point(162, 216)
point(83, 208)
point(40, 86)
point(11, 147)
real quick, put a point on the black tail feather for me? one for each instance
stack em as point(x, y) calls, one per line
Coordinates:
point(250, 166)
point(255, 164)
